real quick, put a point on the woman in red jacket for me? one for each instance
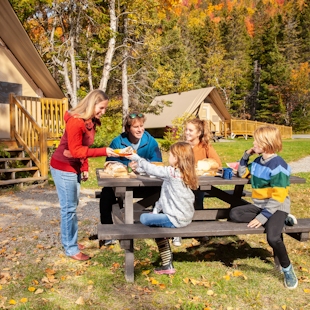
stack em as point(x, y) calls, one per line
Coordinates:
point(69, 164)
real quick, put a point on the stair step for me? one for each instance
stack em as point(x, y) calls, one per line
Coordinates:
point(22, 180)
point(15, 159)
point(19, 169)
point(16, 149)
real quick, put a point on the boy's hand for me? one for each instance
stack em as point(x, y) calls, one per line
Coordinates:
point(250, 151)
point(254, 224)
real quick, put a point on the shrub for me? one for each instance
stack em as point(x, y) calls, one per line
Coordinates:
point(176, 132)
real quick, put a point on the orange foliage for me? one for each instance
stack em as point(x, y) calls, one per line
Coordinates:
point(249, 26)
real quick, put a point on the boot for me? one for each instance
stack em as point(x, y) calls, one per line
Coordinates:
point(166, 257)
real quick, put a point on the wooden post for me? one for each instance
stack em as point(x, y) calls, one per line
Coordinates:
point(43, 152)
point(129, 251)
point(12, 117)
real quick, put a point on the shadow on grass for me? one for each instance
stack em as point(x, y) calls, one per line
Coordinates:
point(223, 250)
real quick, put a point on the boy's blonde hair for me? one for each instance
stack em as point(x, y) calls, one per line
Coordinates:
point(268, 138)
point(86, 107)
point(186, 163)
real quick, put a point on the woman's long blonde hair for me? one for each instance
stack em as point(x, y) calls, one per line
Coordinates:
point(86, 107)
point(202, 126)
point(186, 163)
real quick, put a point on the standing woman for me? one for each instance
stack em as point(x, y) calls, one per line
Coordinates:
point(69, 164)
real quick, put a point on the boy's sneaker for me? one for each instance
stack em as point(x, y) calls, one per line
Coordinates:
point(290, 279)
point(176, 241)
point(167, 269)
point(290, 220)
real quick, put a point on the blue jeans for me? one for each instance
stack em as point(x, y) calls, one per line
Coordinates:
point(159, 220)
point(68, 190)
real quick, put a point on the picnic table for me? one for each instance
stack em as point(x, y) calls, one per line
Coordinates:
point(206, 222)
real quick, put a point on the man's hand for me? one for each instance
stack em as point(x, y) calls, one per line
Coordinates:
point(254, 224)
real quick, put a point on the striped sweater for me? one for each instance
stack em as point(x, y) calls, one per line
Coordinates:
point(270, 180)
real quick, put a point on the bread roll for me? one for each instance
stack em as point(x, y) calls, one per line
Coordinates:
point(115, 168)
point(207, 164)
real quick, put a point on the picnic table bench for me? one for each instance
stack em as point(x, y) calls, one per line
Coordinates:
point(207, 222)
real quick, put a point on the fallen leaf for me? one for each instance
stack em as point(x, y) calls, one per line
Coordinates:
point(186, 280)
point(154, 282)
point(12, 302)
point(50, 271)
point(210, 292)
point(80, 301)
point(24, 300)
point(227, 277)
point(39, 291)
point(31, 289)
point(146, 272)
point(162, 286)
point(307, 290)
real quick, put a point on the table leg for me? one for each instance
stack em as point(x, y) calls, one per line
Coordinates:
point(128, 244)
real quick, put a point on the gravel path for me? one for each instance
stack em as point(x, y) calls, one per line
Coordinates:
point(302, 165)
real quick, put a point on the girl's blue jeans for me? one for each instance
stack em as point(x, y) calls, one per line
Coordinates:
point(68, 190)
point(159, 220)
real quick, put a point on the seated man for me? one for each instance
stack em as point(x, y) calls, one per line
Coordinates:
point(145, 146)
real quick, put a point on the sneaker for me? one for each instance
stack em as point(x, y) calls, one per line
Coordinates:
point(109, 242)
point(290, 279)
point(167, 269)
point(290, 220)
point(176, 241)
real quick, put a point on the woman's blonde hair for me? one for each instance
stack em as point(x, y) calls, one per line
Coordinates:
point(202, 126)
point(186, 163)
point(268, 138)
point(86, 107)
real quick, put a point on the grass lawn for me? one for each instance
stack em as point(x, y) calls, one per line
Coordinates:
point(228, 273)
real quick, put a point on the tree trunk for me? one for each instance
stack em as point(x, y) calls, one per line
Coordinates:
point(125, 74)
point(111, 48)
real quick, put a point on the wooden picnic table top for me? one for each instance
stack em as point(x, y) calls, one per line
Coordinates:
point(147, 181)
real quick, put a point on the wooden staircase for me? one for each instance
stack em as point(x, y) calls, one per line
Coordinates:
point(36, 124)
point(18, 168)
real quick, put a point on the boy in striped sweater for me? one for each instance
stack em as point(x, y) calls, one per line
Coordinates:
point(270, 180)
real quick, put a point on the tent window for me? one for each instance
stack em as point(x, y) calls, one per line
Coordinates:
point(7, 88)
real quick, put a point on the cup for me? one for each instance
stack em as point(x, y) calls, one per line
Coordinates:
point(227, 173)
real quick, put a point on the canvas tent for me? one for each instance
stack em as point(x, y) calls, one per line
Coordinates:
point(22, 71)
point(205, 103)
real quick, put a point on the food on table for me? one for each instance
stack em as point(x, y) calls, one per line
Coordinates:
point(207, 166)
point(125, 151)
point(115, 169)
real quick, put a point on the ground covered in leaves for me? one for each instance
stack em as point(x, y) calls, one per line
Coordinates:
point(219, 273)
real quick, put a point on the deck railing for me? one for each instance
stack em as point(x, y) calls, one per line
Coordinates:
point(37, 123)
point(29, 134)
point(246, 128)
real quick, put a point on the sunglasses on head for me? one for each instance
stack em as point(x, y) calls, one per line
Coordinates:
point(134, 115)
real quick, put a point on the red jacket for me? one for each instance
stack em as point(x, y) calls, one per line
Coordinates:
point(73, 151)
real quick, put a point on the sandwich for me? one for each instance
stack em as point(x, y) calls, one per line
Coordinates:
point(115, 169)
